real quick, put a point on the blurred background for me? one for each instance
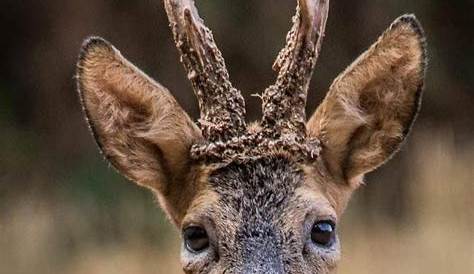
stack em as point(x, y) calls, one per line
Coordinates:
point(63, 210)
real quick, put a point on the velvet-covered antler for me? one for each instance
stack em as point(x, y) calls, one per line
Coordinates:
point(222, 106)
point(284, 102)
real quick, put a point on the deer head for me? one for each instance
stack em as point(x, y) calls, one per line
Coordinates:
point(265, 197)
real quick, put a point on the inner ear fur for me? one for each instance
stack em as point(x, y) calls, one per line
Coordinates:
point(138, 125)
point(371, 106)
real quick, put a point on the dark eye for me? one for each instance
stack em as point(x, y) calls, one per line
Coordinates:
point(323, 233)
point(195, 238)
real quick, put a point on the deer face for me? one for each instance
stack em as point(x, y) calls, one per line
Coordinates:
point(266, 197)
point(270, 215)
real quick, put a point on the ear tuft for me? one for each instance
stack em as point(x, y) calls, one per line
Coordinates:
point(412, 21)
point(94, 44)
point(96, 50)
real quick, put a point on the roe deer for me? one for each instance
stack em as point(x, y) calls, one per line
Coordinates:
point(263, 197)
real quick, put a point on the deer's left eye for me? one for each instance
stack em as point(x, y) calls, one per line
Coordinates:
point(323, 233)
point(196, 239)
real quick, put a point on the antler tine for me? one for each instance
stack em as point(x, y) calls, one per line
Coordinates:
point(284, 102)
point(222, 106)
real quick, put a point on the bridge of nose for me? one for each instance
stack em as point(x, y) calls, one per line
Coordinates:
point(261, 250)
point(263, 259)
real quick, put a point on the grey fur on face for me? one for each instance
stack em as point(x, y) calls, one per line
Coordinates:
point(258, 196)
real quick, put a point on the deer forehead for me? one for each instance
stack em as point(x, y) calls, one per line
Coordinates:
point(263, 194)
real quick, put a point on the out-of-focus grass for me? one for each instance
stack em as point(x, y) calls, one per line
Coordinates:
point(438, 235)
point(82, 236)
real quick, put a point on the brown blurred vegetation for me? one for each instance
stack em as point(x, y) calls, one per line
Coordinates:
point(62, 210)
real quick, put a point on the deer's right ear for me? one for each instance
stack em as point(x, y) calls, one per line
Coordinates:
point(136, 122)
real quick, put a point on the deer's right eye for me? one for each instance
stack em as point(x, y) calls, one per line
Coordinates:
point(195, 239)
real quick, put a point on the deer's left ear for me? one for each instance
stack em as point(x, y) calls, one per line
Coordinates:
point(371, 107)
